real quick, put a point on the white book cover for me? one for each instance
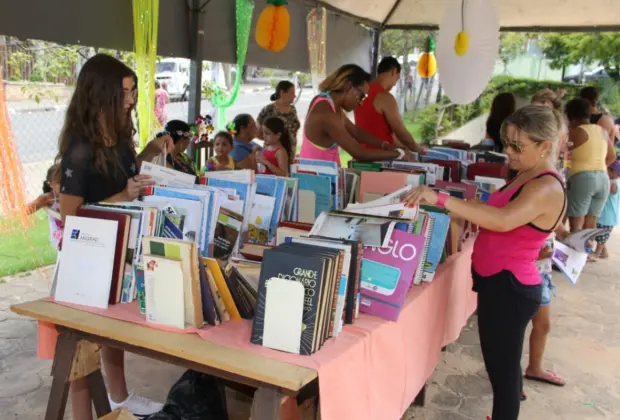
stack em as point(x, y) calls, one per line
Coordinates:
point(163, 286)
point(367, 230)
point(166, 176)
point(245, 176)
point(283, 322)
point(569, 261)
point(88, 247)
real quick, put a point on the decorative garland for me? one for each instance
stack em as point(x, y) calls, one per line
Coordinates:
point(317, 44)
point(12, 185)
point(145, 28)
point(243, 13)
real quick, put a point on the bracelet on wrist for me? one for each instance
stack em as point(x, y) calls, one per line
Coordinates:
point(442, 198)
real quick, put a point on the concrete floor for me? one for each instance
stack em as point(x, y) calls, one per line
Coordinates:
point(584, 348)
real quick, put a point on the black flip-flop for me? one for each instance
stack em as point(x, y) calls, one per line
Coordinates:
point(545, 380)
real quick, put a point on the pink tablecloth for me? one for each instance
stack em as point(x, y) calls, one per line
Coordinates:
point(375, 368)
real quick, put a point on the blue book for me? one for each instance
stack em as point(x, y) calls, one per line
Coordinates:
point(184, 194)
point(171, 230)
point(439, 225)
point(208, 217)
point(316, 162)
point(275, 187)
point(431, 155)
point(321, 189)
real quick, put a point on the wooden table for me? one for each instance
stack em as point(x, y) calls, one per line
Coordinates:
point(79, 330)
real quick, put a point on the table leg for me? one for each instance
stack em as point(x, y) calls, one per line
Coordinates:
point(98, 393)
point(421, 397)
point(61, 369)
point(269, 404)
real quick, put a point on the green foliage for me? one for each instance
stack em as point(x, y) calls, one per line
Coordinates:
point(610, 95)
point(273, 82)
point(210, 89)
point(395, 41)
point(564, 49)
point(267, 73)
point(303, 78)
point(439, 119)
point(15, 61)
point(512, 45)
point(127, 57)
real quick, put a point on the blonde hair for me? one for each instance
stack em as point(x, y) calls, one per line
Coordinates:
point(548, 95)
point(539, 123)
point(348, 73)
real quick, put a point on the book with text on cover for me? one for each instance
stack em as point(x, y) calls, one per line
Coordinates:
point(387, 274)
point(85, 276)
point(299, 268)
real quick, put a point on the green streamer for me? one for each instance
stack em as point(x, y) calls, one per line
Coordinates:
point(243, 13)
point(145, 26)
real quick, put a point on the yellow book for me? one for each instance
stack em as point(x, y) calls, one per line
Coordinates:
point(216, 271)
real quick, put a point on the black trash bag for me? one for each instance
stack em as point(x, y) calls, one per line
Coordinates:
point(196, 396)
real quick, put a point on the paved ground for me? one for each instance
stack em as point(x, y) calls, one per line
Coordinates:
point(584, 348)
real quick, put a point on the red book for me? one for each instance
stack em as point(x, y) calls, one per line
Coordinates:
point(490, 169)
point(122, 238)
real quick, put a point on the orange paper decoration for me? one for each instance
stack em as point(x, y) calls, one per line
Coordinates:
point(12, 186)
point(427, 63)
point(273, 28)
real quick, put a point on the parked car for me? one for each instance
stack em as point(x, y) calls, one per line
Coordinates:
point(175, 73)
point(588, 76)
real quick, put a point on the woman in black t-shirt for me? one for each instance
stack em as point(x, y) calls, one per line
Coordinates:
point(99, 163)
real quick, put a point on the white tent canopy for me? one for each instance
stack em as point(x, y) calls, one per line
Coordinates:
point(519, 15)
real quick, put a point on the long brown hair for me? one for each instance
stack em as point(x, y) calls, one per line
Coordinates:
point(97, 114)
point(276, 126)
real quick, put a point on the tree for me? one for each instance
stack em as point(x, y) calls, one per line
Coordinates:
point(564, 49)
point(511, 46)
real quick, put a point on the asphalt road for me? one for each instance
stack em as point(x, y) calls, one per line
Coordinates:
point(36, 132)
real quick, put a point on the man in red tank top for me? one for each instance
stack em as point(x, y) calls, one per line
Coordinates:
point(379, 114)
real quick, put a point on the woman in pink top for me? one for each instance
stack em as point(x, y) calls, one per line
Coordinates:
point(514, 225)
point(327, 128)
point(161, 100)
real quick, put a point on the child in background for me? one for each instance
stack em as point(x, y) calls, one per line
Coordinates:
point(50, 199)
point(609, 218)
point(541, 322)
point(222, 145)
point(275, 155)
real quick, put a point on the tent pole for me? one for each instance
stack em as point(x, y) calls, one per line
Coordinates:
point(195, 68)
point(376, 45)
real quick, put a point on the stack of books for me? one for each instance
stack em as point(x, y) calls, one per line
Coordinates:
point(328, 272)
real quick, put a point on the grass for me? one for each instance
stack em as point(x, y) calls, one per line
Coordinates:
point(25, 250)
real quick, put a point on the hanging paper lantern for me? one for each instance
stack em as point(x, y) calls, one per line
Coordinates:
point(273, 28)
point(427, 63)
point(467, 48)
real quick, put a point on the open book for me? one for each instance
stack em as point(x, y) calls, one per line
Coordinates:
point(571, 254)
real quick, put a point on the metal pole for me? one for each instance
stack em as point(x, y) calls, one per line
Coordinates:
point(196, 38)
point(376, 45)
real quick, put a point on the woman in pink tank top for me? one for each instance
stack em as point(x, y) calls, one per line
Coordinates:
point(327, 128)
point(514, 225)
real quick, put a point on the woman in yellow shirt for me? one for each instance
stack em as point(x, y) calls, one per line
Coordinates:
point(591, 153)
